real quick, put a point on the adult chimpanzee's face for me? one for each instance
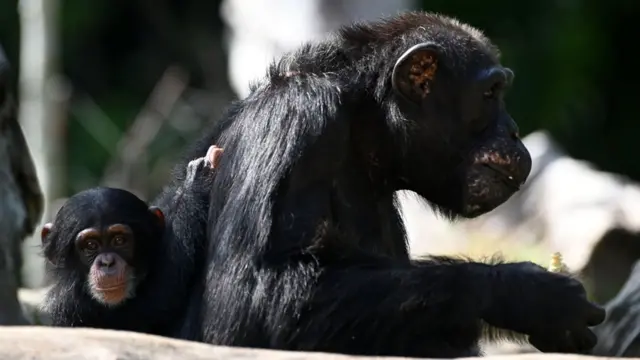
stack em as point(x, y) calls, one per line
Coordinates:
point(464, 151)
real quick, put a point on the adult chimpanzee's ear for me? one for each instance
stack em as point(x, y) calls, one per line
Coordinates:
point(46, 229)
point(158, 214)
point(414, 72)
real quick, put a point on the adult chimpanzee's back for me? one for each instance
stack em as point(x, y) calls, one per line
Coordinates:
point(307, 250)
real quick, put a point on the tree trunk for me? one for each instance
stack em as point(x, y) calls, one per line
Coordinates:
point(41, 113)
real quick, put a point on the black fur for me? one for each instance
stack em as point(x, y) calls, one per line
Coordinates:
point(307, 250)
point(167, 258)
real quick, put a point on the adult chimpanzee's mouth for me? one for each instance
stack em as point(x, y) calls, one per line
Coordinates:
point(504, 176)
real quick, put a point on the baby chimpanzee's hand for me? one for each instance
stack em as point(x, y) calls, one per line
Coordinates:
point(551, 308)
point(208, 162)
point(212, 158)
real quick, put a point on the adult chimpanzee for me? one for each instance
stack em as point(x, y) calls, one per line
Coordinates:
point(307, 250)
point(119, 263)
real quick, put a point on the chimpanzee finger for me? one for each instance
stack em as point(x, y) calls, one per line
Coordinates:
point(209, 157)
point(548, 343)
point(565, 342)
point(584, 340)
point(543, 345)
point(192, 169)
point(213, 156)
point(595, 314)
point(217, 155)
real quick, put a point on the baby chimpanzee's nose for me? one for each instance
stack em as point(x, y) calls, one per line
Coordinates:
point(106, 260)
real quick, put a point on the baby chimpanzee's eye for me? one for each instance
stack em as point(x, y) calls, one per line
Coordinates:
point(119, 240)
point(91, 245)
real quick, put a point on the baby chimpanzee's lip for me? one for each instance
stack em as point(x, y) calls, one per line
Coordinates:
point(504, 176)
point(112, 287)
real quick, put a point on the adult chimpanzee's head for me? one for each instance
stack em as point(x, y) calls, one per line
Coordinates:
point(103, 238)
point(463, 151)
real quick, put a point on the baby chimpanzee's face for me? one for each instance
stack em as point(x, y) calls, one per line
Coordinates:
point(106, 230)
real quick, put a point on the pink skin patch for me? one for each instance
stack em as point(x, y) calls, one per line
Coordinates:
point(213, 156)
point(111, 290)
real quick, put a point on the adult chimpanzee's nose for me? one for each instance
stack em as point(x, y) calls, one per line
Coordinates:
point(106, 260)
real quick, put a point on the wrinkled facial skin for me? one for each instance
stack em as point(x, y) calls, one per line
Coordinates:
point(496, 171)
point(111, 279)
point(473, 157)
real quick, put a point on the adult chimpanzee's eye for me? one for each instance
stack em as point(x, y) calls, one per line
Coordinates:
point(493, 91)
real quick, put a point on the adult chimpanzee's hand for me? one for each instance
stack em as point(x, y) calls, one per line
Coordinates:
point(551, 308)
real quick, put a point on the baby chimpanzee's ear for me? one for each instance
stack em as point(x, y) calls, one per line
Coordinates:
point(158, 214)
point(46, 229)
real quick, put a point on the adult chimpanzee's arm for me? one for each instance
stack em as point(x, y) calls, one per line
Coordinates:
point(409, 304)
point(431, 301)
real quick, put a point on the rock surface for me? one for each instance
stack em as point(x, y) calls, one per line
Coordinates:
point(31, 299)
point(40, 343)
point(619, 334)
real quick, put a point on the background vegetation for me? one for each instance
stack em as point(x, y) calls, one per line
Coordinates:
point(575, 72)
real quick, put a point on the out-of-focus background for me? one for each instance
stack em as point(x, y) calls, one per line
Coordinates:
point(111, 90)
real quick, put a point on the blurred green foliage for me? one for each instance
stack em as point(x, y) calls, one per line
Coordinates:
point(574, 72)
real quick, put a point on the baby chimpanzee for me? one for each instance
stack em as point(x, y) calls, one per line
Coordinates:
point(119, 263)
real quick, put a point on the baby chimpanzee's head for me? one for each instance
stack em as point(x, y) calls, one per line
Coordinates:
point(104, 238)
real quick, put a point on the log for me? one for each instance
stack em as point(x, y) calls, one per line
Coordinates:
point(40, 343)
